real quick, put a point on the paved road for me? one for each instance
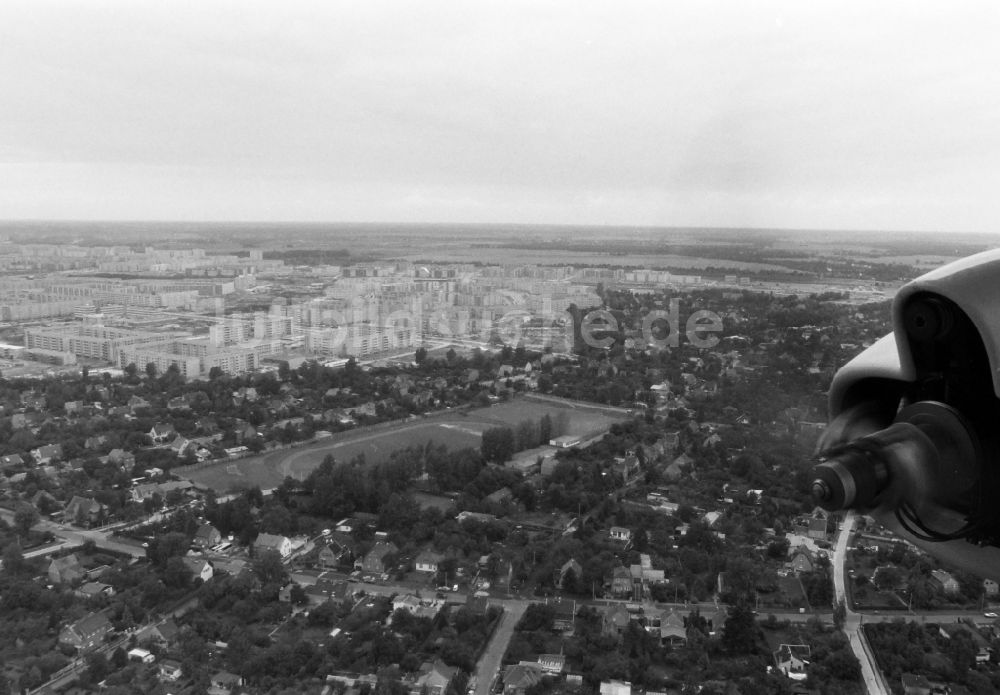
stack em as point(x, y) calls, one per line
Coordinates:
point(489, 664)
point(70, 535)
point(874, 681)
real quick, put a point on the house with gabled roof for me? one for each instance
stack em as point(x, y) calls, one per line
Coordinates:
point(83, 510)
point(161, 633)
point(947, 582)
point(121, 458)
point(181, 444)
point(46, 454)
point(375, 560)
point(137, 403)
point(280, 544)
point(207, 535)
point(65, 570)
point(87, 632)
point(428, 561)
point(199, 568)
point(519, 678)
point(570, 565)
point(792, 660)
point(435, 677)
point(161, 432)
point(11, 462)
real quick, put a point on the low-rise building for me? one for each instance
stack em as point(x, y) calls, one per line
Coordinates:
point(87, 632)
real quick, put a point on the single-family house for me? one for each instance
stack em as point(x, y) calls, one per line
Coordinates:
point(570, 565)
point(91, 590)
point(435, 677)
point(428, 561)
point(990, 587)
point(44, 455)
point(161, 633)
point(207, 535)
point(947, 582)
point(376, 559)
point(65, 570)
point(518, 678)
point(161, 432)
point(169, 670)
point(84, 511)
point(915, 684)
point(792, 660)
point(280, 544)
point(224, 680)
point(11, 462)
point(621, 582)
point(199, 568)
point(87, 632)
point(620, 533)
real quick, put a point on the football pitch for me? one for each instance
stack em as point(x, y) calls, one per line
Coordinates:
point(455, 430)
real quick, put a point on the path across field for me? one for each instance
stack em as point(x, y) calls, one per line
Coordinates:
point(455, 430)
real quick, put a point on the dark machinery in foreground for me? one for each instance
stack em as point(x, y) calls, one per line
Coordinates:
point(914, 434)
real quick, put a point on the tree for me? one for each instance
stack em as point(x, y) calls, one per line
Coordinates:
point(267, 566)
point(151, 370)
point(13, 558)
point(420, 356)
point(738, 633)
point(839, 615)
point(25, 516)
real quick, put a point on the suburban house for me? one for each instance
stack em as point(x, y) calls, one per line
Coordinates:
point(947, 582)
point(333, 554)
point(435, 677)
point(169, 670)
point(990, 587)
point(518, 678)
point(87, 632)
point(326, 590)
point(224, 680)
point(418, 607)
point(621, 582)
point(83, 511)
point(801, 561)
point(570, 565)
point(11, 461)
point(45, 455)
point(619, 533)
point(375, 560)
point(614, 687)
point(161, 432)
point(91, 590)
point(206, 536)
point(121, 458)
point(552, 663)
point(791, 660)
point(280, 544)
point(914, 684)
point(65, 570)
point(427, 561)
point(161, 633)
point(672, 630)
point(199, 568)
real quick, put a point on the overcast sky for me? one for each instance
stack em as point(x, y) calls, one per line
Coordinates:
point(860, 115)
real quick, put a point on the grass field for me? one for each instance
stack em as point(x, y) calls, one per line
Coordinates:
point(454, 430)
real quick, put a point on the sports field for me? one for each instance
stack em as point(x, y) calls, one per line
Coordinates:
point(454, 430)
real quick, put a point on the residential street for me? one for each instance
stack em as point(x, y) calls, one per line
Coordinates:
point(874, 681)
point(489, 665)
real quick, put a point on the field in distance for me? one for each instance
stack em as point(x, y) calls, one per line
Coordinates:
point(455, 430)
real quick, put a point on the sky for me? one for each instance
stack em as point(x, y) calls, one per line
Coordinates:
point(797, 114)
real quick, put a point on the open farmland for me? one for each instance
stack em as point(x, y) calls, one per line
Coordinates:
point(455, 430)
